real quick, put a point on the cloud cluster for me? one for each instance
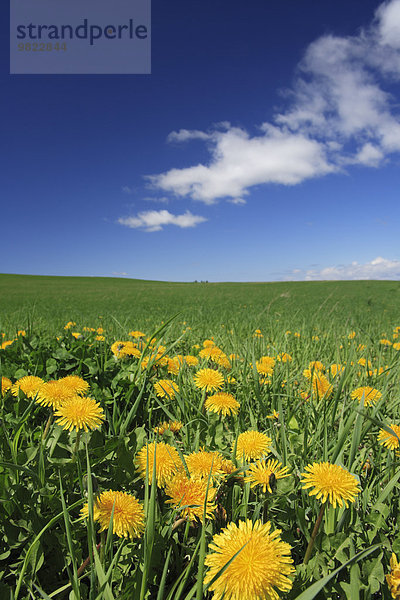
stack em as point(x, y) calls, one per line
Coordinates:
point(379, 268)
point(340, 113)
point(155, 220)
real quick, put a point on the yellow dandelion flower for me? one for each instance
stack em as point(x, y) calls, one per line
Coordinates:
point(128, 517)
point(352, 335)
point(316, 365)
point(165, 388)
point(99, 338)
point(70, 324)
point(388, 439)
point(208, 343)
point(29, 385)
point(393, 578)
point(330, 482)
point(174, 365)
point(207, 351)
point(5, 344)
point(161, 428)
point(262, 565)
point(6, 384)
point(252, 445)
point(54, 393)
point(263, 472)
point(21, 332)
point(396, 346)
point(202, 463)
point(174, 426)
point(321, 386)
point(336, 369)
point(116, 347)
point(364, 363)
point(167, 465)
point(80, 413)
point(222, 403)
point(385, 342)
point(275, 415)
point(265, 366)
point(369, 394)
point(75, 383)
point(129, 349)
point(258, 334)
point(137, 334)
point(76, 334)
point(284, 357)
point(191, 361)
point(209, 380)
point(222, 361)
point(228, 466)
point(189, 495)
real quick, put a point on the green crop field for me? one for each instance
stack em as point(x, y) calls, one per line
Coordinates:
point(169, 441)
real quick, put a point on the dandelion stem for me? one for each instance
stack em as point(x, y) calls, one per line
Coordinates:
point(46, 429)
point(86, 562)
point(314, 534)
point(76, 447)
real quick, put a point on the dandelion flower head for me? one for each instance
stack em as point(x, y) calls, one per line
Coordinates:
point(6, 384)
point(369, 394)
point(165, 388)
point(222, 403)
point(190, 495)
point(54, 393)
point(393, 578)
point(128, 517)
point(262, 473)
point(262, 566)
point(202, 463)
point(330, 482)
point(388, 439)
point(80, 413)
point(209, 380)
point(168, 462)
point(75, 383)
point(252, 445)
point(29, 385)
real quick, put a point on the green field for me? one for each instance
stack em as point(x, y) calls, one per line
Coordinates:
point(175, 489)
point(52, 301)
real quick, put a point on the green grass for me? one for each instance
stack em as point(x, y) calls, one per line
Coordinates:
point(50, 302)
point(47, 474)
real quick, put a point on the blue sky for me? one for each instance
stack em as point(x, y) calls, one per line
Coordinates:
point(264, 146)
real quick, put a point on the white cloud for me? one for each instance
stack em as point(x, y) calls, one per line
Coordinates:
point(389, 23)
point(340, 113)
point(240, 161)
point(183, 135)
point(155, 220)
point(379, 268)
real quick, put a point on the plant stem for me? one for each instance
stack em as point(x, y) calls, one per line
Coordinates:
point(76, 447)
point(46, 429)
point(314, 534)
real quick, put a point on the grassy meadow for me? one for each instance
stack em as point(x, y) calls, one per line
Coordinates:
point(171, 441)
